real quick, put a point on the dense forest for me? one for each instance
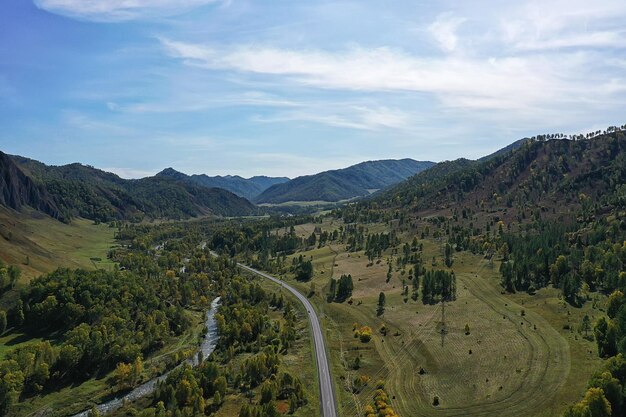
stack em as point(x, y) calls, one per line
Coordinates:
point(90, 322)
point(253, 323)
point(245, 328)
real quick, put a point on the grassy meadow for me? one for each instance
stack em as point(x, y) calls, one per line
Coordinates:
point(524, 354)
point(38, 244)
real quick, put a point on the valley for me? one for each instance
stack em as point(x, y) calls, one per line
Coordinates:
point(428, 298)
point(234, 208)
point(520, 361)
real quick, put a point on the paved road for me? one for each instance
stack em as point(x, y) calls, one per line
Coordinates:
point(327, 395)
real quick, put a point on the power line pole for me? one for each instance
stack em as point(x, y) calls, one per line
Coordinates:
point(443, 313)
point(443, 320)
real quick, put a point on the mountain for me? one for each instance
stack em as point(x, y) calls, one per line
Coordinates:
point(248, 188)
point(549, 175)
point(81, 190)
point(506, 150)
point(18, 190)
point(343, 184)
point(440, 176)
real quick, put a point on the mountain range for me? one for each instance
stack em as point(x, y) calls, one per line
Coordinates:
point(77, 190)
point(343, 184)
point(248, 188)
point(552, 175)
point(538, 171)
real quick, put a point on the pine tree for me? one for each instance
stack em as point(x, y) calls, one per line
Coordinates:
point(3, 321)
point(380, 310)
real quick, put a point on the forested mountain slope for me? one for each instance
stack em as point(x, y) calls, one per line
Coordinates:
point(548, 213)
point(248, 188)
point(17, 190)
point(342, 184)
point(537, 174)
point(80, 190)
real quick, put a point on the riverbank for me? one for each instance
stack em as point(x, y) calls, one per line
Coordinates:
point(206, 348)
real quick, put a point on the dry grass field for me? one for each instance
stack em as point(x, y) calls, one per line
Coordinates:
point(524, 355)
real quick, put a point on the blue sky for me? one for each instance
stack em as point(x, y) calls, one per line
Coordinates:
point(287, 87)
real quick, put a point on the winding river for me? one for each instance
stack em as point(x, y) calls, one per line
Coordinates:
point(206, 347)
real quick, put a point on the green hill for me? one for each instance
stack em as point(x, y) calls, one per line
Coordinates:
point(248, 188)
point(534, 173)
point(356, 181)
point(18, 190)
point(77, 190)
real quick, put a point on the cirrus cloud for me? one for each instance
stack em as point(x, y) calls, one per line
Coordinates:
point(509, 82)
point(118, 10)
point(443, 30)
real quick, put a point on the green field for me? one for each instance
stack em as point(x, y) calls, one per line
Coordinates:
point(523, 360)
point(38, 244)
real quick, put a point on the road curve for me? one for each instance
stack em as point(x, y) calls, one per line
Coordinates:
point(327, 394)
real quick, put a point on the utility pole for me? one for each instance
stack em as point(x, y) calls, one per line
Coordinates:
point(443, 320)
point(443, 313)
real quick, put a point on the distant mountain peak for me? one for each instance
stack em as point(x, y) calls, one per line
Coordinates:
point(343, 184)
point(169, 172)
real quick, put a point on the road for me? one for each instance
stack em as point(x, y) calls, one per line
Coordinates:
point(327, 394)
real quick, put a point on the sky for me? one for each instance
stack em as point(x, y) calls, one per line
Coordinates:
point(288, 88)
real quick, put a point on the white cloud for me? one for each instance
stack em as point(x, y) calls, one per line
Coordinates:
point(187, 102)
point(81, 122)
point(602, 39)
point(558, 24)
point(118, 10)
point(510, 82)
point(444, 30)
point(352, 117)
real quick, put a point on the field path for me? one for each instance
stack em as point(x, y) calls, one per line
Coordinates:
point(519, 363)
point(546, 368)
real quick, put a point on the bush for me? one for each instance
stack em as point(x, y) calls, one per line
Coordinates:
point(364, 333)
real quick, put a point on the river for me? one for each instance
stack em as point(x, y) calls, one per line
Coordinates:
point(206, 347)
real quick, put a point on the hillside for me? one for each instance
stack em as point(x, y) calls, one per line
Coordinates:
point(248, 188)
point(536, 174)
point(343, 184)
point(39, 244)
point(18, 190)
point(506, 150)
point(83, 191)
point(540, 225)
